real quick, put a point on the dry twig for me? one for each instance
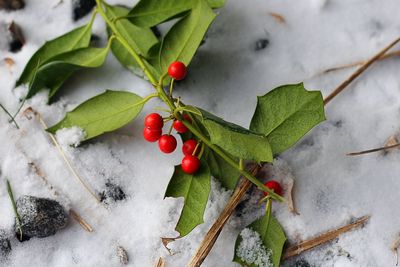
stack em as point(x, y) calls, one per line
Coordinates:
point(323, 238)
point(359, 71)
point(373, 150)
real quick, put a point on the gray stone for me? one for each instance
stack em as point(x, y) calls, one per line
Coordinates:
point(5, 246)
point(40, 217)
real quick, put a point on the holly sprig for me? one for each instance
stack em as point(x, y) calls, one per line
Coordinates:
point(282, 116)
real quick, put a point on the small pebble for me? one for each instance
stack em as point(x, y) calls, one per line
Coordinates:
point(11, 4)
point(261, 44)
point(81, 8)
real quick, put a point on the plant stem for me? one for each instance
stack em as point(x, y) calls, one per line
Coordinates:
point(9, 115)
point(14, 205)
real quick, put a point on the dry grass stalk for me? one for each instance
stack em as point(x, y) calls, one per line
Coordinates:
point(373, 150)
point(160, 262)
point(358, 63)
point(359, 71)
point(323, 238)
point(81, 221)
point(62, 153)
point(212, 235)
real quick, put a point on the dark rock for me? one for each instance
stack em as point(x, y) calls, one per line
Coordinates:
point(11, 4)
point(16, 38)
point(81, 8)
point(112, 192)
point(5, 246)
point(302, 263)
point(40, 217)
point(261, 44)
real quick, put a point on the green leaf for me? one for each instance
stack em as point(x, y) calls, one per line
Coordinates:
point(142, 40)
point(77, 38)
point(272, 236)
point(148, 13)
point(286, 114)
point(103, 113)
point(59, 68)
point(139, 38)
point(195, 190)
point(236, 140)
point(222, 171)
point(183, 39)
point(216, 3)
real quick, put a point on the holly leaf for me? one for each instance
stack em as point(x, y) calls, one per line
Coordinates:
point(141, 39)
point(236, 140)
point(103, 113)
point(251, 253)
point(183, 39)
point(286, 114)
point(77, 38)
point(222, 171)
point(194, 189)
point(59, 68)
point(148, 13)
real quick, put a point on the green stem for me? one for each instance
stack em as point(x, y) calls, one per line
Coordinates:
point(231, 162)
point(14, 205)
point(9, 115)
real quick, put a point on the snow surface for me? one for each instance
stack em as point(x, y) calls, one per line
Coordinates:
point(330, 188)
point(251, 249)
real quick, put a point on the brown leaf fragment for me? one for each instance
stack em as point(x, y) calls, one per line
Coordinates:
point(289, 196)
point(277, 17)
point(395, 246)
point(122, 255)
point(160, 262)
point(166, 241)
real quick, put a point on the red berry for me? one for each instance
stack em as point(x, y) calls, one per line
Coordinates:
point(189, 146)
point(190, 164)
point(154, 121)
point(273, 185)
point(151, 135)
point(167, 143)
point(177, 70)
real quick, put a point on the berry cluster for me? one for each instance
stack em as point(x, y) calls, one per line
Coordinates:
point(153, 124)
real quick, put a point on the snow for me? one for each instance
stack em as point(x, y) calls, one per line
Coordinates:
point(330, 188)
point(70, 136)
point(251, 249)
